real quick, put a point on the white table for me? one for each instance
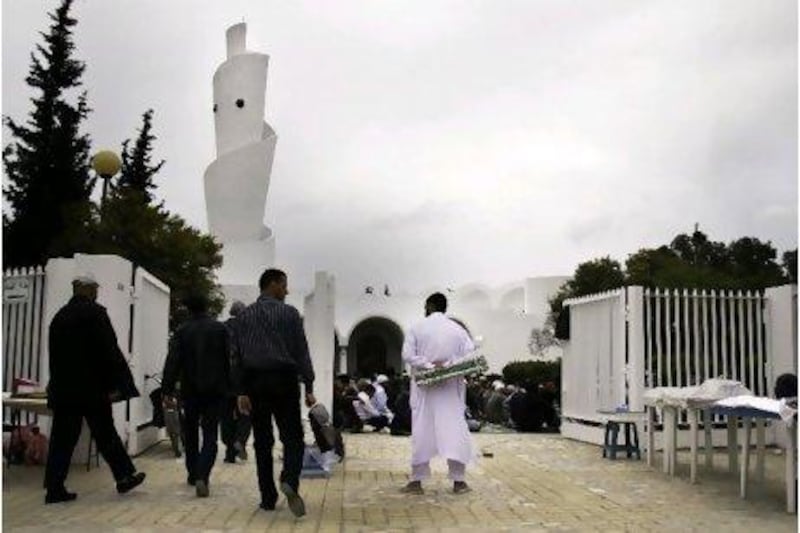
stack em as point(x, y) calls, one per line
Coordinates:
point(736, 461)
point(748, 415)
point(39, 407)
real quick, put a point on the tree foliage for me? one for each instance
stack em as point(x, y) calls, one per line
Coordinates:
point(597, 275)
point(689, 261)
point(47, 163)
point(539, 372)
point(137, 168)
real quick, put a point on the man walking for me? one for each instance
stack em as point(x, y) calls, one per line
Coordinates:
point(235, 426)
point(270, 353)
point(438, 424)
point(199, 359)
point(87, 373)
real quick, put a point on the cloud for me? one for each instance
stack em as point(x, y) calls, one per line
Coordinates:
point(440, 142)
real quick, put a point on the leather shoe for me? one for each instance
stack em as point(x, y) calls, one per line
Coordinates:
point(59, 496)
point(413, 487)
point(267, 506)
point(201, 488)
point(241, 451)
point(129, 483)
point(296, 504)
point(460, 487)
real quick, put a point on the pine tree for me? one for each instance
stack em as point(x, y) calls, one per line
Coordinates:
point(137, 169)
point(47, 163)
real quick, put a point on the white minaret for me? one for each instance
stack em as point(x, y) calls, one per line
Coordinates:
point(237, 181)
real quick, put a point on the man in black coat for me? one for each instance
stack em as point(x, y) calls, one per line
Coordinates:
point(87, 373)
point(199, 357)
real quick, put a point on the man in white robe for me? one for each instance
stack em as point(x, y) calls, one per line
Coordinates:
point(438, 424)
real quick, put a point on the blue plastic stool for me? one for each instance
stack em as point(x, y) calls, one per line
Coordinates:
point(611, 440)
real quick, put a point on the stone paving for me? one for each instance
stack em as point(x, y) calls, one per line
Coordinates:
point(532, 483)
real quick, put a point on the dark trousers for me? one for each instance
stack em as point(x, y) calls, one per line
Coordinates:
point(64, 436)
point(378, 422)
point(276, 394)
point(201, 412)
point(234, 426)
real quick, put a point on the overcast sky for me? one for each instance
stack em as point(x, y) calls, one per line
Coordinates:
point(435, 143)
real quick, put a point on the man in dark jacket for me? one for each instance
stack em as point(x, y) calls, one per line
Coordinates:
point(87, 373)
point(199, 357)
point(234, 426)
point(271, 352)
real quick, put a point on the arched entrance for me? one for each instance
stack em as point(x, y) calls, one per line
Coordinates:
point(374, 347)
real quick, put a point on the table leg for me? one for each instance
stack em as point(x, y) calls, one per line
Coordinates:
point(745, 466)
point(666, 421)
point(694, 416)
point(791, 467)
point(732, 444)
point(709, 445)
point(651, 435)
point(673, 455)
point(760, 449)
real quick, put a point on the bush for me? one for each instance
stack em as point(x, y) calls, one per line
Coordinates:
point(519, 372)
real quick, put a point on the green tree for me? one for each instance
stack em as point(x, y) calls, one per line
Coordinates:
point(593, 276)
point(47, 163)
point(790, 265)
point(539, 372)
point(689, 261)
point(754, 264)
point(137, 169)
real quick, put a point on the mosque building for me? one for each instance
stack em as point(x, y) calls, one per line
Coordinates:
point(353, 333)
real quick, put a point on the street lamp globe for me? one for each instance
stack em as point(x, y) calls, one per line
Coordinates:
point(106, 163)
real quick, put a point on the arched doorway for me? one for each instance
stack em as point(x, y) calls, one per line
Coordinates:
point(374, 347)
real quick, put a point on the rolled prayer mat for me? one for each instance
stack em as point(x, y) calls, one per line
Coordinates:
point(466, 367)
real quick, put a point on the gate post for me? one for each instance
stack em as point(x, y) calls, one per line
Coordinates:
point(635, 362)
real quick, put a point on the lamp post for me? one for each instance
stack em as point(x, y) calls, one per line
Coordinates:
point(106, 163)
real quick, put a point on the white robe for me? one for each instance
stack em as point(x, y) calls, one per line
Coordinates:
point(438, 424)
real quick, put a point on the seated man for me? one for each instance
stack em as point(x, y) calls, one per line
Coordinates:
point(401, 423)
point(366, 410)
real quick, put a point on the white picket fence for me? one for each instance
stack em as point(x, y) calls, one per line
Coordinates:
point(23, 306)
point(626, 341)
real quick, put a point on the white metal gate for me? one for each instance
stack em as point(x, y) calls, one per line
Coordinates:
point(626, 341)
point(23, 305)
point(593, 364)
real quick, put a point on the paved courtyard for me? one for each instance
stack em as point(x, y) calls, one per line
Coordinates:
point(532, 483)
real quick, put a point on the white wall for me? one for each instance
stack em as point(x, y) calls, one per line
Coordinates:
point(116, 294)
point(495, 314)
point(781, 320)
point(318, 320)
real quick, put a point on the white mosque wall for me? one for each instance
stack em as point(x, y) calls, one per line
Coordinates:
point(497, 316)
point(318, 320)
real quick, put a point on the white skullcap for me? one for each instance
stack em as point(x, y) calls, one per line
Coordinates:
point(84, 278)
point(381, 378)
point(498, 385)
